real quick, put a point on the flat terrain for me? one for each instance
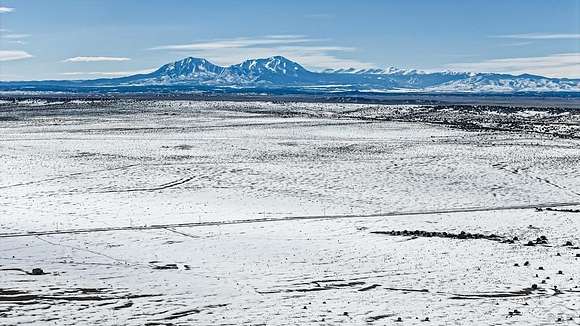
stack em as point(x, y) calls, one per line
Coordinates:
point(259, 213)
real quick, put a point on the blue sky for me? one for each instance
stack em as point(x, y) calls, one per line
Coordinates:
point(77, 39)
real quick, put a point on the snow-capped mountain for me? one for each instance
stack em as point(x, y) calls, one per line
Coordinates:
point(270, 70)
point(188, 69)
point(506, 83)
point(373, 71)
point(196, 71)
point(278, 72)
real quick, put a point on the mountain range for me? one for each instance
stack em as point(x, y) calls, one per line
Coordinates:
point(281, 73)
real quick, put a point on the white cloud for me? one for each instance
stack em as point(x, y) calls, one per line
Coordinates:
point(540, 36)
point(19, 42)
point(299, 48)
point(96, 59)
point(15, 36)
point(236, 43)
point(107, 73)
point(4, 10)
point(556, 65)
point(285, 36)
point(8, 55)
point(517, 44)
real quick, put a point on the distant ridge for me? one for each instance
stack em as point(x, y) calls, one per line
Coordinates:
point(279, 72)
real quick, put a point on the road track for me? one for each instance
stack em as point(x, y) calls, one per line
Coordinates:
point(282, 219)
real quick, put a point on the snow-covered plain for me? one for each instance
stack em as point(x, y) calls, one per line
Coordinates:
point(224, 213)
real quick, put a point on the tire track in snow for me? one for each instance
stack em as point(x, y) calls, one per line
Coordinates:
point(66, 176)
point(521, 172)
point(160, 187)
point(284, 219)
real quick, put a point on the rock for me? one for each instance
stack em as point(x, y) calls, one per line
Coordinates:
point(527, 263)
point(166, 266)
point(37, 271)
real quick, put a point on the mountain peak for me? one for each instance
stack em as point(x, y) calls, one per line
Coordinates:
point(189, 61)
point(267, 68)
point(281, 59)
point(192, 59)
point(273, 63)
point(192, 62)
point(190, 67)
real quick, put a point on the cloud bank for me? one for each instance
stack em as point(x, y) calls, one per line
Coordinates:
point(15, 36)
point(107, 73)
point(305, 50)
point(96, 59)
point(540, 36)
point(11, 55)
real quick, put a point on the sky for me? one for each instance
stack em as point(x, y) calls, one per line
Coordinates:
point(82, 39)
